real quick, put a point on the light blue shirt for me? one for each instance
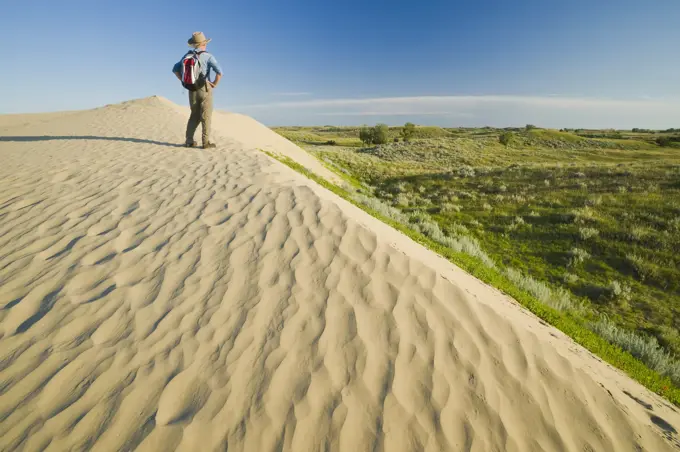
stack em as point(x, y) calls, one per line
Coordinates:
point(208, 64)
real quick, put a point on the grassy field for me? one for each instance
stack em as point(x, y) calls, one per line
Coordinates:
point(588, 225)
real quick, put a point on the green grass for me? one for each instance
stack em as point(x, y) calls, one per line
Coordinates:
point(623, 218)
point(555, 135)
point(577, 326)
point(317, 137)
point(349, 136)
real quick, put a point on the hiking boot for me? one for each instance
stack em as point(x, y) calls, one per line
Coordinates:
point(190, 145)
point(209, 146)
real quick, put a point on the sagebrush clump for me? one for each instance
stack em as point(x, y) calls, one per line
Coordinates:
point(577, 256)
point(588, 233)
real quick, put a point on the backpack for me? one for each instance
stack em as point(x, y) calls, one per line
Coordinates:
point(191, 71)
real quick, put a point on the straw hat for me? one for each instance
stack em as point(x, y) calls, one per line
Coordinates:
point(197, 39)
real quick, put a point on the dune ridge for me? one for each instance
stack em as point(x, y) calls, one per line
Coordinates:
point(154, 297)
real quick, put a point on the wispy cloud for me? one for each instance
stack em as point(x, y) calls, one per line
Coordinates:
point(463, 101)
point(397, 113)
point(501, 110)
point(293, 94)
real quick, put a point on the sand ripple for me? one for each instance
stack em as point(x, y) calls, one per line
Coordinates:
point(161, 298)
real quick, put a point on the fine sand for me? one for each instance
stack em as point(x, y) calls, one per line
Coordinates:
point(159, 298)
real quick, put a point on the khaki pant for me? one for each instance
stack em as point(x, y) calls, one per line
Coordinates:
point(201, 102)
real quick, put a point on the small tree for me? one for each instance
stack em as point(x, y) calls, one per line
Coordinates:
point(374, 135)
point(408, 131)
point(663, 141)
point(530, 127)
point(366, 135)
point(506, 138)
point(380, 134)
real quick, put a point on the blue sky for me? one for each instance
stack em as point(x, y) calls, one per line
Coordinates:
point(601, 63)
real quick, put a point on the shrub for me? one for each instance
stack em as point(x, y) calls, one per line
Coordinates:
point(331, 142)
point(421, 222)
point(643, 269)
point(593, 291)
point(506, 138)
point(516, 222)
point(380, 134)
point(569, 278)
point(432, 230)
point(637, 233)
point(652, 188)
point(674, 224)
point(448, 207)
point(366, 135)
point(558, 298)
point(646, 349)
point(577, 256)
point(588, 233)
point(403, 200)
point(458, 229)
point(618, 291)
point(376, 135)
point(593, 201)
point(418, 217)
point(396, 139)
point(408, 131)
point(381, 208)
point(466, 171)
point(400, 187)
point(582, 215)
point(530, 127)
point(670, 337)
point(664, 141)
point(487, 206)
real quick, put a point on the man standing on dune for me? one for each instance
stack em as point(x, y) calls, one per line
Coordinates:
point(194, 71)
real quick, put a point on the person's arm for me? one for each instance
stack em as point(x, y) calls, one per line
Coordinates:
point(212, 63)
point(217, 80)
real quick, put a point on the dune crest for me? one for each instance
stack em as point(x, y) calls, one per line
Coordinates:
point(154, 297)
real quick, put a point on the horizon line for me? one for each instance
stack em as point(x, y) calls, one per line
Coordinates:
point(467, 100)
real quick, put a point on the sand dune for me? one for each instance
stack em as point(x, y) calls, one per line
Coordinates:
point(158, 298)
